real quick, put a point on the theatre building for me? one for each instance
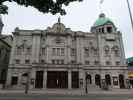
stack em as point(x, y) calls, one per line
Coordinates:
point(64, 59)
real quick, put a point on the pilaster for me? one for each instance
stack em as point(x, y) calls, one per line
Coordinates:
point(36, 47)
point(69, 80)
point(12, 55)
point(68, 51)
point(45, 79)
point(32, 78)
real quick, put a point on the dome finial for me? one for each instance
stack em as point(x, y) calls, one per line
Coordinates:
point(102, 15)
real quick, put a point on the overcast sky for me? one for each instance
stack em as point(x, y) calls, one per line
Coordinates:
point(80, 17)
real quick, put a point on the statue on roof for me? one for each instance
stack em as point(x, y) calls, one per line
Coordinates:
point(59, 20)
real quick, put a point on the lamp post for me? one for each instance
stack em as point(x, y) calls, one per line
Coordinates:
point(130, 14)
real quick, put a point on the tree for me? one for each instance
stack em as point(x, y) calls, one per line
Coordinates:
point(45, 6)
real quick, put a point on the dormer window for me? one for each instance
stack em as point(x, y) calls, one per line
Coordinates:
point(109, 29)
point(100, 30)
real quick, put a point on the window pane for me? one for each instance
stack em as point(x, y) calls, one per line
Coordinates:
point(54, 51)
point(62, 51)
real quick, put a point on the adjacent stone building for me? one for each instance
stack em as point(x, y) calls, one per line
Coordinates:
point(5, 48)
point(130, 70)
point(61, 58)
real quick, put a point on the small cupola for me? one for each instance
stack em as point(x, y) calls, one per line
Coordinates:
point(103, 25)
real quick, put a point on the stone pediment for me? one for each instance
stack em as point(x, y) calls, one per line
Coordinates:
point(58, 28)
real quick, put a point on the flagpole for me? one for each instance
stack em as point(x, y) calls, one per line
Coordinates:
point(130, 14)
point(100, 5)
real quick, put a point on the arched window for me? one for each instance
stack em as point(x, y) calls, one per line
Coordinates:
point(24, 78)
point(95, 51)
point(98, 80)
point(88, 79)
point(108, 79)
point(43, 51)
point(19, 51)
point(86, 50)
point(28, 51)
point(109, 29)
point(106, 50)
point(116, 51)
point(25, 75)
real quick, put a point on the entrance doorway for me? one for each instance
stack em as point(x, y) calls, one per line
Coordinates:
point(75, 79)
point(108, 79)
point(39, 79)
point(98, 80)
point(121, 81)
point(88, 79)
point(57, 79)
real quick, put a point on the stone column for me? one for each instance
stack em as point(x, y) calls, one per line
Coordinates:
point(105, 29)
point(48, 60)
point(81, 42)
point(45, 79)
point(100, 47)
point(78, 52)
point(33, 78)
point(69, 79)
point(33, 49)
point(82, 79)
point(48, 56)
point(93, 79)
point(103, 80)
point(36, 46)
point(12, 55)
point(68, 51)
point(82, 82)
point(125, 79)
point(9, 75)
point(122, 52)
point(19, 85)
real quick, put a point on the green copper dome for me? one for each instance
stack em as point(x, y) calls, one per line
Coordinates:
point(130, 61)
point(102, 20)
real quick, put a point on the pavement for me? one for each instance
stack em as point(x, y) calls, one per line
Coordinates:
point(63, 97)
point(69, 92)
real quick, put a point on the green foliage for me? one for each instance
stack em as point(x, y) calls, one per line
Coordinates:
point(3, 9)
point(45, 6)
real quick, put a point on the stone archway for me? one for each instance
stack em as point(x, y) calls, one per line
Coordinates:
point(98, 80)
point(89, 79)
point(108, 79)
point(121, 81)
